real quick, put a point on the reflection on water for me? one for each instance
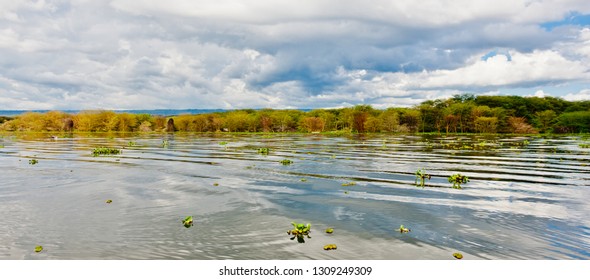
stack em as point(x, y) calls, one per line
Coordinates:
point(525, 200)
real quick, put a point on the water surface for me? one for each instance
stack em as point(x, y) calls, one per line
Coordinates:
point(527, 197)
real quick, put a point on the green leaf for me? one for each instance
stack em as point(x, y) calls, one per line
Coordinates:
point(38, 249)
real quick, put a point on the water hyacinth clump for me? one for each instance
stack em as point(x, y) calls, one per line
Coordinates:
point(299, 231)
point(105, 151)
point(457, 180)
point(263, 151)
point(330, 247)
point(188, 222)
point(421, 176)
point(286, 162)
point(403, 229)
point(33, 161)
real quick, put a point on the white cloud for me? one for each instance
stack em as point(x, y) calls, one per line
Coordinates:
point(579, 96)
point(497, 71)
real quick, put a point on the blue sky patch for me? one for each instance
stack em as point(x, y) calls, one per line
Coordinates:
point(571, 19)
point(497, 52)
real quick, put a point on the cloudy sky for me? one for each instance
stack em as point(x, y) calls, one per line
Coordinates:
point(228, 54)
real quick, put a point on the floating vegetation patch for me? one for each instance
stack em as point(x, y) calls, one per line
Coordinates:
point(286, 162)
point(303, 180)
point(38, 249)
point(584, 145)
point(403, 229)
point(457, 180)
point(330, 247)
point(33, 161)
point(105, 151)
point(348, 184)
point(188, 222)
point(300, 231)
point(263, 151)
point(165, 144)
point(223, 143)
point(109, 201)
point(330, 230)
point(131, 144)
point(458, 256)
point(421, 176)
point(215, 184)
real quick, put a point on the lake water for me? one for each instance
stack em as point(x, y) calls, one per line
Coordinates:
point(528, 198)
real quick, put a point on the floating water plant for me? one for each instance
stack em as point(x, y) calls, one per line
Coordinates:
point(216, 184)
point(330, 230)
point(458, 256)
point(286, 162)
point(348, 184)
point(303, 180)
point(109, 201)
point(223, 143)
point(403, 229)
point(300, 231)
point(188, 222)
point(421, 175)
point(263, 151)
point(457, 180)
point(131, 144)
point(38, 249)
point(584, 145)
point(165, 143)
point(105, 151)
point(33, 161)
point(330, 247)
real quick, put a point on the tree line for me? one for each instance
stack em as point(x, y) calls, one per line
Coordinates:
point(461, 114)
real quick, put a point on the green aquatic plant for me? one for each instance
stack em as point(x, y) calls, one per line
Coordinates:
point(403, 229)
point(303, 180)
point(165, 143)
point(33, 161)
point(105, 151)
point(457, 180)
point(109, 201)
point(188, 221)
point(330, 230)
point(458, 256)
point(215, 184)
point(422, 176)
point(263, 151)
point(584, 145)
point(223, 143)
point(38, 249)
point(330, 247)
point(131, 144)
point(348, 184)
point(286, 162)
point(300, 231)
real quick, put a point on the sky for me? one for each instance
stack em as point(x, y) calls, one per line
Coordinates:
point(229, 54)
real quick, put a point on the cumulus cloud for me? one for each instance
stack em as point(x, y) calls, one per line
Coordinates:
point(82, 54)
point(579, 96)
